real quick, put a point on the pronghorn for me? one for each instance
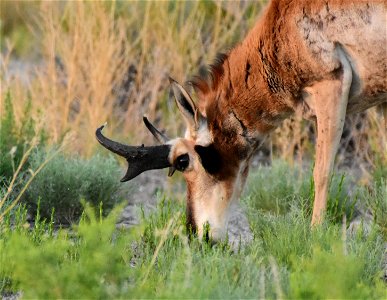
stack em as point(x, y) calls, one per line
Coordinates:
point(322, 59)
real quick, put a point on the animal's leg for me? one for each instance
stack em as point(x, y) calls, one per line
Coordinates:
point(331, 98)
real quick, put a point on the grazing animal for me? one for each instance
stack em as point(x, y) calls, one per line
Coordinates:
point(322, 59)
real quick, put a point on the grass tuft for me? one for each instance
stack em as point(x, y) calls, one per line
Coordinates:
point(65, 181)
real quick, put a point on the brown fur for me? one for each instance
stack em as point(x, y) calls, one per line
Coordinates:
point(321, 58)
point(280, 65)
point(293, 46)
point(261, 79)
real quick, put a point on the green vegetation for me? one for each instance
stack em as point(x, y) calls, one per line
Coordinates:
point(16, 138)
point(157, 259)
point(375, 200)
point(65, 181)
point(62, 183)
point(279, 187)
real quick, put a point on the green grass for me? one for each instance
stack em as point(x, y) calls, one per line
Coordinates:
point(280, 188)
point(156, 259)
point(16, 139)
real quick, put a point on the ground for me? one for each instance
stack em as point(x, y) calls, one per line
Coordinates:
point(146, 187)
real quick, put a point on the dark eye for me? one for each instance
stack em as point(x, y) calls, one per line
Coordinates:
point(182, 162)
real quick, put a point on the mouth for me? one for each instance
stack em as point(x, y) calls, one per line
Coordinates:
point(190, 224)
point(210, 234)
point(206, 233)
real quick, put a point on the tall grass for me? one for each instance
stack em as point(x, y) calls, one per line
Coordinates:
point(109, 61)
point(98, 62)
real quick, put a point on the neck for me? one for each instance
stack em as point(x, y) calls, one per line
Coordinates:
point(253, 88)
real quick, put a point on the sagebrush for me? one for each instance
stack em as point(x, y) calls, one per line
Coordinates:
point(67, 181)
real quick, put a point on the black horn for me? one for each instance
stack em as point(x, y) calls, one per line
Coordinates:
point(139, 158)
point(162, 138)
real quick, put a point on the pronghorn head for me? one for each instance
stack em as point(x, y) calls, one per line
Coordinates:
point(212, 156)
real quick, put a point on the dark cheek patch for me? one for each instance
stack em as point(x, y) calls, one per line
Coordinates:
point(210, 158)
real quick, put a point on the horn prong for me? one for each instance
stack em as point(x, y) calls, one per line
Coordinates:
point(160, 137)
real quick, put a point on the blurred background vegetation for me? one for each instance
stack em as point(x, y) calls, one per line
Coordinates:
point(66, 67)
point(79, 64)
point(76, 65)
point(84, 63)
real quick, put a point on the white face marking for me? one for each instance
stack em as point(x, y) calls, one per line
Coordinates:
point(177, 149)
point(212, 208)
point(203, 135)
point(211, 201)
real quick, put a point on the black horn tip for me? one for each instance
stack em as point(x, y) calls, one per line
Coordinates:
point(126, 178)
point(171, 80)
point(101, 127)
point(145, 119)
point(132, 172)
point(171, 171)
point(155, 132)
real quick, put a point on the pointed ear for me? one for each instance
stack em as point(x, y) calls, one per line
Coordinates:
point(201, 89)
point(186, 106)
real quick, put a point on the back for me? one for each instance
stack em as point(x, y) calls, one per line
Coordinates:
point(360, 30)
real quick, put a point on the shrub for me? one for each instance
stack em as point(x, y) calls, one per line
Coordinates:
point(88, 263)
point(332, 274)
point(15, 138)
point(375, 200)
point(65, 181)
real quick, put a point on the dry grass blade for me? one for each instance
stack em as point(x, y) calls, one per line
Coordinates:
point(16, 173)
point(344, 234)
point(276, 278)
point(27, 184)
point(163, 237)
point(262, 283)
